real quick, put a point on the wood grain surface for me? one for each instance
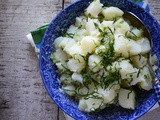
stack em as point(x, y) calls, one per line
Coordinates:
point(22, 94)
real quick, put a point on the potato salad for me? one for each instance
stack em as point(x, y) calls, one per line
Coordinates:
point(101, 58)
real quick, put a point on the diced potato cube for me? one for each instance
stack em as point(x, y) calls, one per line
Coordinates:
point(139, 61)
point(121, 26)
point(137, 32)
point(66, 42)
point(135, 48)
point(64, 78)
point(88, 44)
point(75, 65)
point(61, 65)
point(114, 66)
point(127, 98)
point(75, 49)
point(94, 8)
point(108, 95)
point(60, 55)
point(146, 84)
point(153, 60)
point(145, 45)
point(108, 24)
point(90, 104)
point(111, 12)
point(72, 29)
point(69, 89)
point(90, 27)
point(80, 34)
point(57, 42)
point(80, 21)
point(121, 46)
point(77, 77)
point(126, 69)
point(94, 62)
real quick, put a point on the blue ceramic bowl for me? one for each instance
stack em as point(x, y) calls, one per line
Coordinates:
point(145, 100)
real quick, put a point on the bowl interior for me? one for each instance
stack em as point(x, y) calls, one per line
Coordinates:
point(144, 100)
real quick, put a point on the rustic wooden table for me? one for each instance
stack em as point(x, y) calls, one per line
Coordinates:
point(22, 94)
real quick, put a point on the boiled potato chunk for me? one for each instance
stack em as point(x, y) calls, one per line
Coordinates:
point(61, 65)
point(111, 12)
point(94, 62)
point(91, 104)
point(77, 77)
point(88, 44)
point(72, 29)
point(121, 45)
point(80, 21)
point(135, 48)
point(126, 69)
point(75, 49)
point(153, 60)
point(69, 89)
point(90, 27)
point(146, 84)
point(94, 8)
point(108, 24)
point(80, 34)
point(66, 42)
point(57, 42)
point(60, 55)
point(139, 61)
point(145, 45)
point(75, 65)
point(108, 94)
point(127, 98)
point(121, 26)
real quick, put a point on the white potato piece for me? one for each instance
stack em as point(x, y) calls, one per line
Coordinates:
point(91, 104)
point(75, 65)
point(61, 65)
point(65, 79)
point(145, 45)
point(80, 34)
point(137, 32)
point(114, 66)
point(111, 12)
point(75, 49)
point(60, 55)
point(153, 60)
point(90, 27)
point(94, 62)
point(108, 94)
point(88, 44)
point(121, 45)
point(57, 41)
point(146, 84)
point(69, 90)
point(126, 69)
point(139, 61)
point(135, 48)
point(80, 21)
point(66, 42)
point(121, 26)
point(108, 24)
point(94, 8)
point(77, 77)
point(72, 29)
point(127, 98)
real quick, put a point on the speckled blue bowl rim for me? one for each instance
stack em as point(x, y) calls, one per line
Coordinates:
point(41, 57)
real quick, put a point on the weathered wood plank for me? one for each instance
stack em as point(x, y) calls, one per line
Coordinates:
point(22, 94)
